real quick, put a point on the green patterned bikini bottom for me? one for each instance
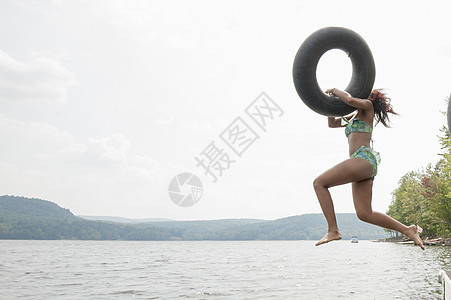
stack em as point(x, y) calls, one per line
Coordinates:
point(370, 155)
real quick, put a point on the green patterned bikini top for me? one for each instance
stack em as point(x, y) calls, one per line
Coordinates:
point(356, 125)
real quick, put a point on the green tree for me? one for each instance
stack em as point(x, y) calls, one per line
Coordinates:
point(442, 203)
point(424, 197)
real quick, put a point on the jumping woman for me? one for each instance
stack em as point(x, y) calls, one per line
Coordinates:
point(361, 168)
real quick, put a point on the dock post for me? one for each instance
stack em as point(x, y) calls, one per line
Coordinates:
point(444, 277)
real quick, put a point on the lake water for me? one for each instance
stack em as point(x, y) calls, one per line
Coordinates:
point(219, 270)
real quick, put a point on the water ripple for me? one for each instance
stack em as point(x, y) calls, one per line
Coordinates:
point(219, 270)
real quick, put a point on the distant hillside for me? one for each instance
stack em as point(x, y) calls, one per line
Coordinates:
point(302, 227)
point(12, 207)
point(122, 220)
point(25, 218)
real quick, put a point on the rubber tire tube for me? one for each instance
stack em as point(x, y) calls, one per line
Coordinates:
point(306, 62)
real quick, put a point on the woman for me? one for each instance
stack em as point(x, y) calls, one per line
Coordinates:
point(361, 168)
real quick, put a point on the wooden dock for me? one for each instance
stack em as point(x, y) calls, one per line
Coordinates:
point(444, 278)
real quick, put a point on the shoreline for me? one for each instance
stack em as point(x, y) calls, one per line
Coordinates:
point(440, 241)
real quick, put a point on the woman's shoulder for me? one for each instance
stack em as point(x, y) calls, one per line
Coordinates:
point(366, 116)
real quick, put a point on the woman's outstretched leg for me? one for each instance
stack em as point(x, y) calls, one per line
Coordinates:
point(362, 194)
point(327, 206)
point(348, 171)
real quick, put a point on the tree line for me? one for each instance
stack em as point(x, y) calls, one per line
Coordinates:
point(424, 197)
point(23, 218)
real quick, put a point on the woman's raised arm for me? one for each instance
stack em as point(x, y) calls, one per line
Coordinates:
point(334, 122)
point(344, 96)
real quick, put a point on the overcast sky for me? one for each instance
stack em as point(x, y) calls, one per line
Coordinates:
point(102, 103)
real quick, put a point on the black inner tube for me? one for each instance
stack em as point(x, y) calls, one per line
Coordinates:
point(306, 62)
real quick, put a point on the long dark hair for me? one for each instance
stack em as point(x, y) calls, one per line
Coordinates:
point(382, 107)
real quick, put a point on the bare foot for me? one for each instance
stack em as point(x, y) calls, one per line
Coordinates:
point(412, 233)
point(330, 236)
